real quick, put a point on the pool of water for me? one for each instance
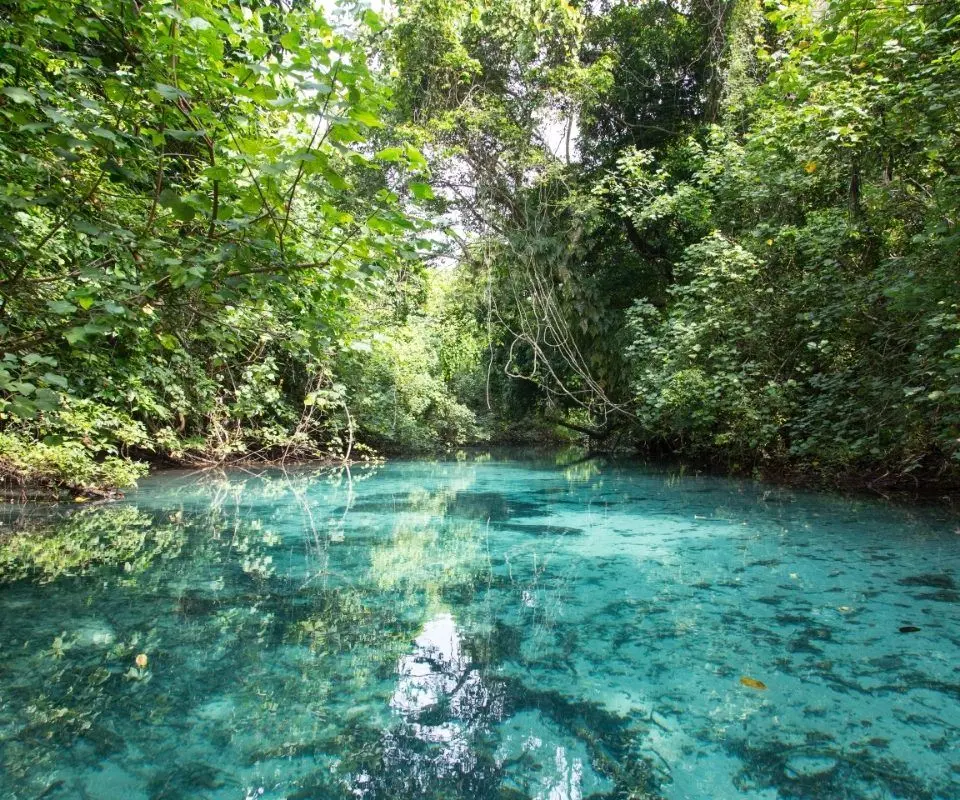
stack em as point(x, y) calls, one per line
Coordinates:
point(479, 629)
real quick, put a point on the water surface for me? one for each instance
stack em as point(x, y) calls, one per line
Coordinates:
point(480, 629)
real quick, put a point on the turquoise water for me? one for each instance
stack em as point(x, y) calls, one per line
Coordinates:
point(481, 629)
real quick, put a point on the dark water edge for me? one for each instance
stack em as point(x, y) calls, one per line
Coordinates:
point(930, 489)
point(935, 486)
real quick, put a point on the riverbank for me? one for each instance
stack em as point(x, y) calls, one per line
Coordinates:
point(72, 471)
point(36, 471)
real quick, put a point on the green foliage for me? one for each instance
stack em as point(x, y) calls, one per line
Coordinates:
point(89, 538)
point(726, 229)
point(403, 386)
point(80, 449)
point(820, 327)
point(663, 63)
point(700, 373)
point(197, 196)
point(754, 258)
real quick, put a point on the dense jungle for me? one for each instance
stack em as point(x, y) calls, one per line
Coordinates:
point(261, 231)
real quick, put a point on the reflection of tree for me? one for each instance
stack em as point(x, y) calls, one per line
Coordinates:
point(382, 671)
point(442, 703)
point(463, 729)
point(429, 558)
point(439, 675)
point(113, 536)
point(466, 730)
point(218, 488)
point(446, 711)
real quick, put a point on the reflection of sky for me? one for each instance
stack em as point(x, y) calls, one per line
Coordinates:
point(433, 673)
point(438, 672)
point(437, 648)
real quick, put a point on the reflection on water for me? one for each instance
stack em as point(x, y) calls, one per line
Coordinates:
point(479, 629)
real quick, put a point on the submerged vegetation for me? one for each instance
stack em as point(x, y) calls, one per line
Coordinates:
point(259, 231)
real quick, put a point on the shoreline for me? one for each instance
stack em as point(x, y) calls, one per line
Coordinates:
point(931, 492)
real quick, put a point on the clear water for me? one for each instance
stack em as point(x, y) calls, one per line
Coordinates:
point(481, 629)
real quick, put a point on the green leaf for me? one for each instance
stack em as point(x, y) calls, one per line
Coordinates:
point(35, 358)
point(103, 133)
point(335, 179)
point(382, 225)
point(258, 47)
point(217, 173)
point(22, 408)
point(23, 387)
point(345, 134)
point(46, 399)
point(19, 95)
point(414, 156)
point(421, 191)
point(75, 335)
point(367, 118)
point(168, 92)
point(55, 380)
point(390, 154)
point(83, 226)
point(372, 20)
point(61, 307)
point(183, 212)
point(198, 24)
point(182, 135)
